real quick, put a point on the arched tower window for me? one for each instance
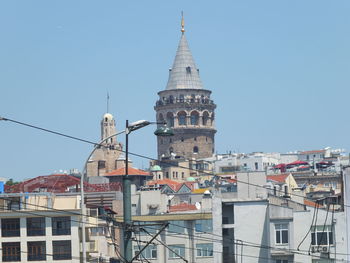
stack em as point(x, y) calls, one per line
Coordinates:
point(160, 117)
point(182, 118)
point(205, 118)
point(212, 118)
point(194, 118)
point(171, 99)
point(195, 149)
point(170, 119)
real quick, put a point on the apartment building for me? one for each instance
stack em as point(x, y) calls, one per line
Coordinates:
point(35, 229)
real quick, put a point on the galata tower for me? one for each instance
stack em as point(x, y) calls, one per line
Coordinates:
point(186, 107)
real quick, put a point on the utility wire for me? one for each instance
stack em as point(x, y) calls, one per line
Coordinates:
point(234, 241)
point(137, 155)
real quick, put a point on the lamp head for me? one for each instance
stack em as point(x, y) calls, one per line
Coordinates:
point(164, 131)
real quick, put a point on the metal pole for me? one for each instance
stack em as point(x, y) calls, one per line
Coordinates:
point(82, 196)
point(83, 211)
point(127, 201)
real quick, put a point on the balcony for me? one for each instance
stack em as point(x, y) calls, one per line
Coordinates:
point(184, 101)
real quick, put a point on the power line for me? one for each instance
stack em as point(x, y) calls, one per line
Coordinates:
point(138, 155)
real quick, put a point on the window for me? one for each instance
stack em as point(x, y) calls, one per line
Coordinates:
point(10, 227)
point(182, 98)
point(62, 250)
point(281, 234)
point(256, 166)
point(195, 149)
point(36, 226)
point(176, 251)
point(320, 237)
point(11, 251)
point(176, 227)
point(204, 250)
point(36, 251)
point(150, 252)
point(170, 119)
point(282, 261)
point(182, 118)
point(205, 118)
point(194, 118)
point(99, 231)
point(61, 225)
point(204, 225)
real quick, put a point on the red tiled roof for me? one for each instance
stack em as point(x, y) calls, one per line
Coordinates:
point(58, 183)
point(311, 203)
point(172, 184)
point(311, 152)
point(182, 207)
point(281, 178)
point(131, 171)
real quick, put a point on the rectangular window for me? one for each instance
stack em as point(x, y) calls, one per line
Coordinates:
point(320, 236)
point(36, 226)
point(256, 166)
point(36, 251)
point(281, 260)
point(176, 251)
point(149, 253)
point(11, 251)
point(204, 225)
point(281, 234)
point(62, 250)
point(10, 227)
point(61, 225)
point(176, 227)
point(204, 250)
point(97, 231)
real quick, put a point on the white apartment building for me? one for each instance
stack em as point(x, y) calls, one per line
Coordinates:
point(32, 230)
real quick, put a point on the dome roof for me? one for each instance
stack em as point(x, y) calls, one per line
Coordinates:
point(190, 179)
point(156, 168)
point(107, 117)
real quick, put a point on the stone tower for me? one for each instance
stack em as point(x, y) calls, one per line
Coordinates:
point(186, 107)
point(105, 158)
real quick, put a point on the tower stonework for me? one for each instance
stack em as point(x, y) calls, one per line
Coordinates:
point(186, 107)
point(104, 159)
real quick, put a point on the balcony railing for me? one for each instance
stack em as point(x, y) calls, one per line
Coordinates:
point(187, 101)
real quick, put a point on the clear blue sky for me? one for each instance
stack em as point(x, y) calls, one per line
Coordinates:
point(279, 72)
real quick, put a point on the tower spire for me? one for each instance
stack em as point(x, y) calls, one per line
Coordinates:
point(182, 22)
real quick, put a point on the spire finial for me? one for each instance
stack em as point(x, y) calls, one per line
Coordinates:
point(182, 22)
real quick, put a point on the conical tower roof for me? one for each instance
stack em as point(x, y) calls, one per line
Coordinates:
point(184, 73)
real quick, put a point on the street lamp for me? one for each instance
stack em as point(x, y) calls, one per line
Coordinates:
point(162, 131)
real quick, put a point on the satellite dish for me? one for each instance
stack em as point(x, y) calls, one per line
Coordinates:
point(198, 205)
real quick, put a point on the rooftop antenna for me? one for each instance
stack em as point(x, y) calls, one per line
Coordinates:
point(182, 22)
point(107, 101)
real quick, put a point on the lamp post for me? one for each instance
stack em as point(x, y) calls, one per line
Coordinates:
point(162, 131)
point(82, 195)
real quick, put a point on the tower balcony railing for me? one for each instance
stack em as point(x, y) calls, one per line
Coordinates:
point(184, 101)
